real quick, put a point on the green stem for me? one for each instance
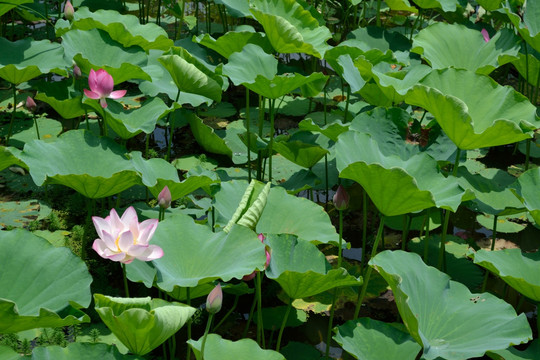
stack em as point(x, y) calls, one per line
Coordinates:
point(369, 269)
point(260, 328)
point(227, 314)
point(158, 16)
point(364, 227)
point(527, 154)
point(347, 101)
point(181, 22)
point(378, 21)
point(340, 238)
point(494, 237)
point(248, 120)
point(188, 302)
point(407, 220)
point(426, 238)
point(325, 157)
point(12, 114)
point(330, 323)
point(208, 324)
point(251, 311)
point(272, 131)
point(283, 323)
point(170, 120)
point(126, 289)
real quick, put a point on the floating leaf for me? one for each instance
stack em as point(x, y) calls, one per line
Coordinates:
point(142, 324)
point(40, 285)
point(217, 348)
point(234, 41)
point(517, 269)
point(24, 131)
point(366, 338)
point(464, 48)
point(80, 351)
point(443, 316)
point(473, 110)
point(531, 353)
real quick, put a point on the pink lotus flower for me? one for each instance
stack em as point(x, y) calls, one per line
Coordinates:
point(101, 85)
point(485, 35)
point(268, 257)
point(124, 239)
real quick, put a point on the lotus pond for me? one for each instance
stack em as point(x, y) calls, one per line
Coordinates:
point(269, 179)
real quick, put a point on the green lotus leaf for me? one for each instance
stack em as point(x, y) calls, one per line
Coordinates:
point(505, 224)
point(142, 324)
point(195, 255)
point(190, 75)
point(62, 97)
point(234, 41)
point(11, 4)
point(453, 45)
point(301, 153)
point(124, 29)
point(129, 123)
point(529, 28)
point(80, 351)
point(526, 189)
point(41, 285)
point(283, 84)
point(473, 110)
point(366, 338)
point(94, 166)
point(301, 269)
point(273, 317)
point(6, 352)
point(445, 5)
point(331, 130)
point(517, 269)
point(246, 65)
point(26, 59)
point(290, 28)
point(283, 213)
point(217, 348)
point(443, 316)
point(528, 64)
point(404, 5)
point(158, 173)
point(490, 5)
point(458, 265)
point(492, 192)
point(207, 137)
point(531, 353)
point(10, 156)
point(251, 206)
point(236, 8)
point(24, 130)
point(94, 49)
point(395, 186)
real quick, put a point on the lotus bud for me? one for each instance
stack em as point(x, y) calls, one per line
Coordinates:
point(68, 11)
point(164, 198)
point(76, 71)
point(341, 198)
point(485, 35)
point(214, 300)
point(31, 104)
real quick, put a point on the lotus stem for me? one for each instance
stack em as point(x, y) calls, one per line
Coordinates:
point(251, 311)
point(170, 120)
point(228, 313)
point(441, 262)
point(364, 227)
point(272, 131)
point(345, 115)
point(527, 154)
point(426, 238)
point(330, 323)
point(158, 15)
point(12, 114)
point(378, 19)
point(283, 323)
point(340, 256)
point(369, 269)
point(407, 219)
point(494, 237)
point(248, 120)
point(188, 302)
point(208, 324)
point(181, 22)
point(126, 288)
point(260, 328)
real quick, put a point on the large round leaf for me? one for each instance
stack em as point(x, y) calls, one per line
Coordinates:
point(531, 353)
point(526, 21)
point(365, 338)
point(190, 75)
point(129, 123)
point(443, 316)
point(234, 41)
point(80, 351)
point(94, 166)
point(94, 49)
point(526, 189)
point(195, 255)
point(453, 45)
point(300, 153)
point(142, 324)
point(126, 29)
point(517, 269)
point(394, 185)
point(217, 348)
point(283, 213)
point(26, 59)
point(290, 28)
point(62, 97)
point(474, 110)
point(301, 269)
point(37, 281)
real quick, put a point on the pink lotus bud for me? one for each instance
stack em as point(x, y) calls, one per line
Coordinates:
point(341, 198)
point(31, 104)
point(485, 35)
point(214, 300)
point(68, 11)
point(77, 71)
point(164, 198)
